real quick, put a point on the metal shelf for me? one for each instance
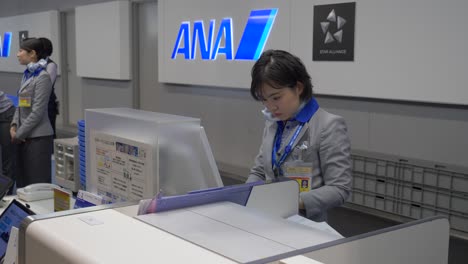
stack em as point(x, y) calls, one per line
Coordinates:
point(411, 188)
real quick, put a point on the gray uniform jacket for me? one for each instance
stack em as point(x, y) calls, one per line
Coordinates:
point(330, 153)
point(33, 121)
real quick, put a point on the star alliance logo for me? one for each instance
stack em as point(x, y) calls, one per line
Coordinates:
point(333, 34)
point(330, 36)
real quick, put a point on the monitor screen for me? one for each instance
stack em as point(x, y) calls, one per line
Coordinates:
point(12, 216)
point(133, 155)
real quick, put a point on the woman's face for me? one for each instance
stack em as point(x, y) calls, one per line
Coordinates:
point(284, 102)
point(25, 57)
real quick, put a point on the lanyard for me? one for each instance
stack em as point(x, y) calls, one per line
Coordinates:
point(288, 148)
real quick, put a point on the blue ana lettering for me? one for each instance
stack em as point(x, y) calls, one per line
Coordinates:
point(251, 45)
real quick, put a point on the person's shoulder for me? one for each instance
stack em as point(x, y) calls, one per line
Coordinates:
point(325, 117)
point(43, 73)
point(51, 64)
point(325, 123)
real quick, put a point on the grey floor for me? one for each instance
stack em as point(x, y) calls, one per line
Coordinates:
point(350, 222)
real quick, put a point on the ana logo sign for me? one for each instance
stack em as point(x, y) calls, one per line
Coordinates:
point(254, 37)
point(5, 45)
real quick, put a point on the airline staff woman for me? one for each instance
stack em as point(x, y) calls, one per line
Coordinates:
point(7, 110)
point(297, 131)
point(31, 127)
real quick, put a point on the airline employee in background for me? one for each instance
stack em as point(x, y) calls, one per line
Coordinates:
point(51, 68)
point(299, 133)
point(30, 127)
point(7, 110)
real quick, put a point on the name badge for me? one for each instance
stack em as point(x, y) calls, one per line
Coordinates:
point(301, 172)
point(24, 100)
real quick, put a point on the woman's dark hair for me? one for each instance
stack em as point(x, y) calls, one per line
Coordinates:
point(279, 69)
point(48, 48)
point(30, 44)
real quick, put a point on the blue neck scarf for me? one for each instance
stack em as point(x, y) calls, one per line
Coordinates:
point(33, 69)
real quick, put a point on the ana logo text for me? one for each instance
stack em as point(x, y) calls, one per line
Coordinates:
point(254, 37)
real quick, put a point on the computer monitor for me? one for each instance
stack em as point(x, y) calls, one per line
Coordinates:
point(11, 216)
point(5, 185)
point(133, 154)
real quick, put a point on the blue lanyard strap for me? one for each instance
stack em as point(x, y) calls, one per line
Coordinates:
point(288, 148)
point(304, 115)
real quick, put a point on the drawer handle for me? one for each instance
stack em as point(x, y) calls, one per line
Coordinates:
point(417, 188)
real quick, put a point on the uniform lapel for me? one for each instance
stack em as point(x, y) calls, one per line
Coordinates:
point(24, 84)
point(301, 134)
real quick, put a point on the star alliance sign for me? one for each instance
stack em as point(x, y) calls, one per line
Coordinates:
point(254, 37)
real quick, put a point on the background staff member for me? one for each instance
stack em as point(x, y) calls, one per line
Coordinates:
point(281, 82)
point(51, 68)
point(7, 110)
point(31, 127)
